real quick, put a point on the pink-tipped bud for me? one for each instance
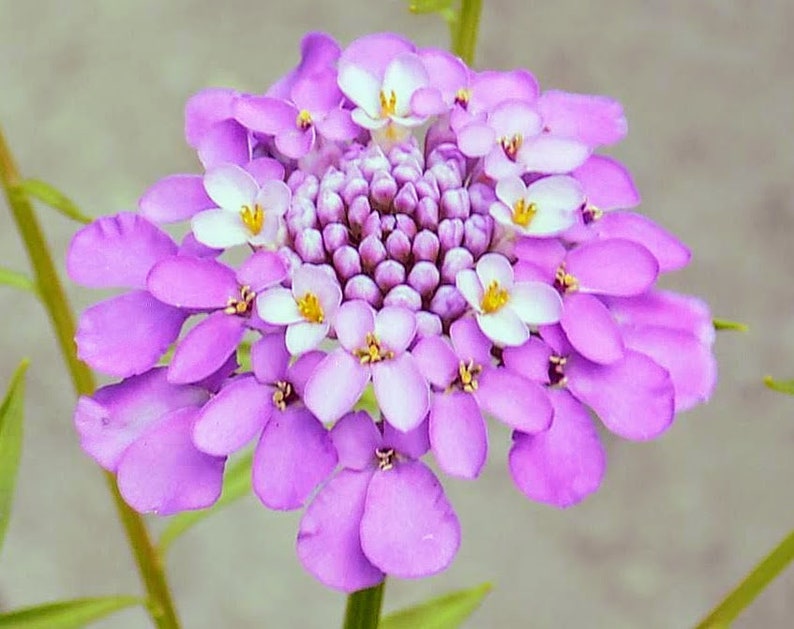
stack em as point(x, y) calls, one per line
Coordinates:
point(372, 252)
point(406, 199)
point(448, 303)
point(477, 232)
point(347, 262)
point(398, 246)
point(335, 235)
point(358, 212)
point(481, 197)
point(354, 187)
point(450, 233)
point(428, 187)
point(309, 245)
point(425, 246)
point(427, 324)
point(330, 207)
point(389, 274)
point(405, 297)
point(383, 189)
point(424, 277)
point(455, 260)
point(455, 204)
point(427, 213)
point(363, 287)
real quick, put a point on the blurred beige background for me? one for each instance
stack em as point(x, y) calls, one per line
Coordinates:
point(91, 97)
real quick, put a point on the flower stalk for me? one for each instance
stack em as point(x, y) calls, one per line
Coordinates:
point(464, 42)
point(160, 605)
point(363, 608)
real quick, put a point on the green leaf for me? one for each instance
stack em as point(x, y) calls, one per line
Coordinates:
point(66, 614)
point(752, 585)
point(446, 612)
point(17, 280)
point(725, 324)
point(58, 201)
point(236, 484)
point(783, 386)
point(11, 413)
point(421, 7)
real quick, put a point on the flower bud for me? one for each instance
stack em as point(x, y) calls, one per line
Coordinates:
point(427, 213)
point(301, 215)
point(372, 226)
point(347, 262)
point(427, 324)
point(335, 235)
point(424, 277)
point(358, 212)
point(403, 296)
point(373, 163)
point(332, 180)
point(355, 186)
point(363, 287)
point(477, 232)
point(406, 225)
point(450, 233)
point(448, 303)
point(425, 246)
point(309, 245)
point(290, 259)
point(428, 187)
point(308, 188)
point(383, 189)
point(388, 274)
point(455, 260)
point(398, 246)
point(455, 204)
point(448, 177)
point(372, 252)
point(406, 172)
point(448, 154)
point(296, 178)
point(481, 197)
point(330, 208)
point(406, 199)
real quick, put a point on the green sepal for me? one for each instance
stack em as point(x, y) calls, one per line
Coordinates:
point(11, 414)
point(51, 196)
point(66, 614)
point(444, 8)
point(726, 324)
point(782, 386)
point(446, 612)
point(236, 485)
point(15, 279)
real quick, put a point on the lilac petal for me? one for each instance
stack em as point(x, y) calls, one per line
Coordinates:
point(337, 126)
point(612, 267)
point(206, 347)
point(564, 464)
point(404, 75)
point(354, 320)
point(319, 51)
point(515, 117)
point(476, 139)
point(193, 282)
point(449, 72)
point(117, 414)
point(274, 196)
point(498, 166)
point(302, 369)
point(192, 248)
point(373, 53)
point(503, 327)
point(219, 377)
point(594, 120)
point(266, 115)
point(230, 187)
point(395, 327)
point(329, 543)
point(335, 386)
point(607, 183)
point(633, 397)
point(264, 169)
point(469, 341)
point(514, 400)
point(127, 335)
point(295, 143)
point(544, 253)
point(409, 528)
point(670, 253)
point(261, 270)
point(205, 109)
point(531, 360)
point(163, 472)
point(428, 101)
point(356, 437)
point(551, 155)
point(457, 434)
point(233, 417)
point(414, 443)
point(225, 143)
point(270, 358)
point(402, 391)
point(117, 251)
point(277, 305)
point(536, 303)
point(691, 364)
point(294, 455)
point(591, 329)
point(317, 93)
point(320, 281)
point(490, 88)
point(436, 361)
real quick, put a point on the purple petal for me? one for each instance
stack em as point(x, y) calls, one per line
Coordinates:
point(261, 270)
point(633, 397)
point(514, 400)
point(436, 361)
point(163, 473)
point(117, 414)
point(337, 126)
point(335, 386)
point(531, 360)
point(414, 443)
point(591, 329)
point(127, 335)
point(373, 53)
point(205, 109)
point(476, 139)
point(490, 88)
point(457, 434)
point(264, 169)
point(409, 528)
point(354, 320)
point(296, 142)
point(612, 267)
point(402, 392)
point(117, 251)
point(233, 417)
point(206, 347)
point(551, 155)
point(175, 198)
point(594, 120)
point(564, 464)
point(319, 51)
point(193, 282)
point(329, 544)
point(270, 358)
point(544, 253)
point(294, 455)
point(302, 369)
point(356, 437)
point(317, 93)
point(395, 328)
point(469, 341)
point(607, 183)
point(224, 143)
point(266, 115)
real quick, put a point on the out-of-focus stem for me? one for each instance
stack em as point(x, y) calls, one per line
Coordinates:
point(464, 44)
point(160, 604)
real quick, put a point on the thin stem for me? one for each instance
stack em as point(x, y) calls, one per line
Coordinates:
point(150, 568)
point(752, 585)
point(464, 44)
point(363, 608)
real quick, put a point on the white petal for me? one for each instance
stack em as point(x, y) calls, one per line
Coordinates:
point(404, 75)
point(219, 229)
point(364, 120)
point(469, 286)
point(278, 306)
point(230, 187)
point(558, 192)
point(503, 327)
point(510, 189)
point(274, 197)
point(362, 88)
point(494, 267)
point(502, 215)
point(310, 278)
point(304, 336)
point(535, 303)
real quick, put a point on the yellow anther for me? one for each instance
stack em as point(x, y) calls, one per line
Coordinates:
point(282, 394)
point(372, 352)
point(310, 308)
point(591, 213)
point(494, 298)
point(304, 120)
point(388, 104)
point(462, 97)
point(524, 212)
point(386, 458)
point(467, 376)
point(243, 305)
point(253, 219)
point(565, 281)
point(511, 145)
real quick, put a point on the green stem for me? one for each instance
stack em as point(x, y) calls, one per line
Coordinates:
point(160, 605)
point(752, 585)
point(363, 608)
point(464, 43)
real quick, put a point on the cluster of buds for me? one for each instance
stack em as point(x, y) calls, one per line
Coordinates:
point(491, 268)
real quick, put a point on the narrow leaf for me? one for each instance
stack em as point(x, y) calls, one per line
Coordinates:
point(421, 7)
point(446, 612)
point(754, 583)
point(11, 412)
point(725, 324)
point(53, 197)
point(66, 614)
point(17, 280)
point(236, 484)
point(783, 386)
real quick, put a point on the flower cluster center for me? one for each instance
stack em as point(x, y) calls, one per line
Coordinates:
point(511, 145)
point(467, 376)
point(388, 104)
point(253, 218)
point(243, 305)
point(495, 298)
point(524, 212)
point(310, 308)
point(372, 352)
point(283, 394)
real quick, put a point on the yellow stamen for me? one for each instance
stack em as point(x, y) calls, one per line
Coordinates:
point(386, 458)
point(467, 376)
point(253, 219)
point(524, 212)
point(241, 306)
point(310, 308)
point(304, 120)
point(462, 97)
point(372, 352)
point(511, 145)
point(282, 394)
point(495, 298)
point(565, 281)
point(388, 104)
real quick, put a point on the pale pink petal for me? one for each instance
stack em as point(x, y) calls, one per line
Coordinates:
point(607, 183)
point(402, 392)
point(469, 285)
point(335, 386)
point(225, 143)
point(219, 229)
point(304, 336)
point(261, 270)
point(174, 198)
point(476, 139)
point(551, 155)
point(593, 120)
point(469, 341)
point(436, 360)
point(230, 186)
point(354, 320)
point(278, 306)
point(510, 190)
point(514, 400)
point(503, 327)
point(591, 329)
point(457, 434)
point(395, 327)
point(535, 303)
point(494, 267)
point(270, 358)
point(356, 437)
